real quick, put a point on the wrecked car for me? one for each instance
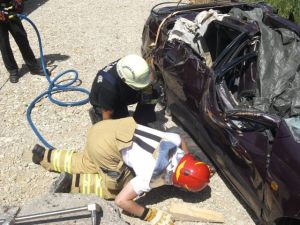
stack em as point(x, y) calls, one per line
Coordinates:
point(231, 79)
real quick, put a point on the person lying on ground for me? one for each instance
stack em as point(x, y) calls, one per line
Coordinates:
point(122, 160)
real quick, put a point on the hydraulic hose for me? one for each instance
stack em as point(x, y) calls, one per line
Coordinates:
point(54, 87)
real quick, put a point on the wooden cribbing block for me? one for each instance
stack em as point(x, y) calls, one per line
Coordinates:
point(187, 212)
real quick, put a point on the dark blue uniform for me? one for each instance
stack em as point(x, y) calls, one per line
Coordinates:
point(109, 92)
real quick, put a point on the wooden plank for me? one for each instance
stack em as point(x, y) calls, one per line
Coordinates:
point(188, 212)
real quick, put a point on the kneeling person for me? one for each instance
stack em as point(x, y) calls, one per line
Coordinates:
point(124, 82)
point(122, 160)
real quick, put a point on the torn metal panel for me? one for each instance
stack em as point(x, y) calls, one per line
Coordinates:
point(278, 68)
point(234, 106)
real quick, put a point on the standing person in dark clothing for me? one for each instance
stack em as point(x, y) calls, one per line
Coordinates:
point(9, 23)
point(121, 83)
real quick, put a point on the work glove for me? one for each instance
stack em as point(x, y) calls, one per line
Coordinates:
point(158, 217)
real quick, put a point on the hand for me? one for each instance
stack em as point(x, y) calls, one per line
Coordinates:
point(3, 16)
point(159, 217)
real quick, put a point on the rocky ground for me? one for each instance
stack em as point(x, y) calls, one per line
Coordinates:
point(81, 35)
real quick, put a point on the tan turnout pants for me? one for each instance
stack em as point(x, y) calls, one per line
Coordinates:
point(99, 168)
point(87, 178)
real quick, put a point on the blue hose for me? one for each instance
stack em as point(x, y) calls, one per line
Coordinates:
point(53, 88)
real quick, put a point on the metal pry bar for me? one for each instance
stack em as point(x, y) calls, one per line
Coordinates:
point(93, 208)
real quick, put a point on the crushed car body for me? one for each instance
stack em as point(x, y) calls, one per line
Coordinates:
point(231, 78)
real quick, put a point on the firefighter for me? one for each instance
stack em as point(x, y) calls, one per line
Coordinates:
point(10, 23)
point(122, 160)
point(126, 81)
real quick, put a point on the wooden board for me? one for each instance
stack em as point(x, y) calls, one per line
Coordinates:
point(188, 212)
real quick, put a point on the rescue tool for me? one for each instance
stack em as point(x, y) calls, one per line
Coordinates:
point(94, 208)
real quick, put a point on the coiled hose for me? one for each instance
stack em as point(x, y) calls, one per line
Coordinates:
point(53, 87)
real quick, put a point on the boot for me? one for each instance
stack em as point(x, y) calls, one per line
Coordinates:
point(14, 76)
point(62, 184)
point(38, 153)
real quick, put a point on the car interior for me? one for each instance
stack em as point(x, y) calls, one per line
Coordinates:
point(231, 50)
point(238, 87)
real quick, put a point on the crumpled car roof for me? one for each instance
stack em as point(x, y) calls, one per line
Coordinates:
point(278, 89)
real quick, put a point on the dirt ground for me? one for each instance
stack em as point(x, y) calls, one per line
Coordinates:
point(81, 35)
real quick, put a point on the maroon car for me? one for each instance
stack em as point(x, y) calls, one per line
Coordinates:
point(231, 78)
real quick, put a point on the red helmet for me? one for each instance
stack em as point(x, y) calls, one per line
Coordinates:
point(191, 174)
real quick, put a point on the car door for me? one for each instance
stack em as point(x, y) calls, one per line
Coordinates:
point(192, 97)
point(281, 192)
point(240, 155)
point(185, 78)
point(247, 143)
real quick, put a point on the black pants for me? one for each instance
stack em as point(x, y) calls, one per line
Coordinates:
point(143, 114)
point(18, 32)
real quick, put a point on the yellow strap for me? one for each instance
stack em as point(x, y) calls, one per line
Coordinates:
point(56, 159)
point(68, 161)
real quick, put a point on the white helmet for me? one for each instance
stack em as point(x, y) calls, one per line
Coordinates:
point(134, 71)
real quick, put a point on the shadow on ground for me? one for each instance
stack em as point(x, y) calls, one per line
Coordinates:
point(166, 192)
point(50, 60)
point(240, 199)
point(31, 5)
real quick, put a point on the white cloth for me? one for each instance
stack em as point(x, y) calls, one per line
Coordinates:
point(186, 31)
point(143, 162)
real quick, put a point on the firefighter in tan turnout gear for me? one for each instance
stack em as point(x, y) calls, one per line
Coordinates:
point(122, 160)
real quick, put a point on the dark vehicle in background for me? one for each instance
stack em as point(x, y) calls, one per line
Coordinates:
point(257, 151)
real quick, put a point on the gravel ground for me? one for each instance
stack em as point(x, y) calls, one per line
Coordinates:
point(81, 35)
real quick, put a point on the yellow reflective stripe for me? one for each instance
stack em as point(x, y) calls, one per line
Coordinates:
point(53, 161)
point(68, 159)
point(89, 184)
point(86, 187)
point(98, 186)
point(84, 184)
point(56, 159)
